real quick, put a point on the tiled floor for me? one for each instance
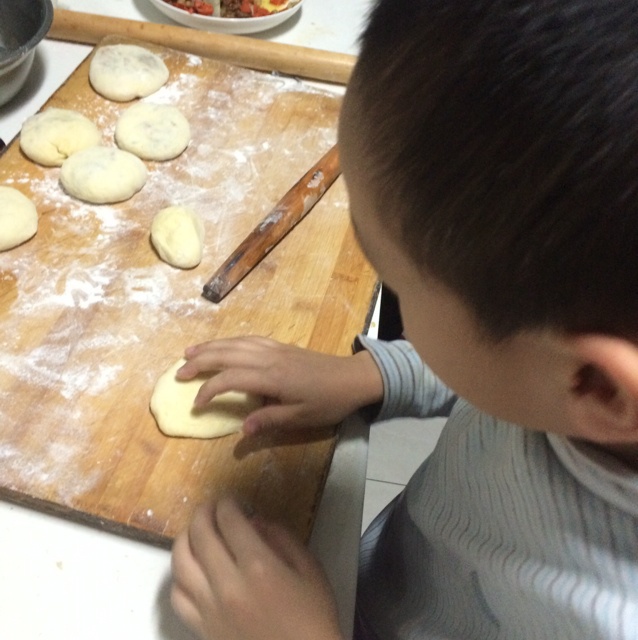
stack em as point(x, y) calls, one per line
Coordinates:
point(397, 447)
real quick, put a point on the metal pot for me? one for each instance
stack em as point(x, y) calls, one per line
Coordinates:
point(23, 24)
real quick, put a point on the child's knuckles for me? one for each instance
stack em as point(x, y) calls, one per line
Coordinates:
point(235, 599)
point(184, 608)
point(258, 572)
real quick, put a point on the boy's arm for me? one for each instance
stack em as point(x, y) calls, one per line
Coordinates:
point(410, 387)
point(301, 388)
point(240, 578)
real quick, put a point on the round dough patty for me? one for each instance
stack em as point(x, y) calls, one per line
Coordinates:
point(18, 218)
point(51, 136)
point(178, 237)
point(172, 406)
point(153, 131)
point(123, 72)
point(102, 175)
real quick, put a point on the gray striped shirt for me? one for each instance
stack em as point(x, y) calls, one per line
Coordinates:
point(501, 533)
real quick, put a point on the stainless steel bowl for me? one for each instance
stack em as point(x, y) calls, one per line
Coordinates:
point(23, 23)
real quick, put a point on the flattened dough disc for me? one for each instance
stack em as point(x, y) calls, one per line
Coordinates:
point(172, 407)
point(153, 131)
point(123, 72)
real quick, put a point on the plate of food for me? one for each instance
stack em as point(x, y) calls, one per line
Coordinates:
point(229, 16)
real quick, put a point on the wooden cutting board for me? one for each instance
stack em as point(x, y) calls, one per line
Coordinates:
point(90, 317)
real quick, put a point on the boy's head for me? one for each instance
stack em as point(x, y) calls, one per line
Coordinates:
point(493, 145)
point(508, 132)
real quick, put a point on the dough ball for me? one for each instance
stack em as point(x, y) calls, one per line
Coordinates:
point(172, 406)
point(123, 72)
point(103, 174)
point(50, 137)
point(178, 237)
point(18, 218)
point(153, 131)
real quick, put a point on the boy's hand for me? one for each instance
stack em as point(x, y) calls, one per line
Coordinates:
point(302, 388)
point(236, 579)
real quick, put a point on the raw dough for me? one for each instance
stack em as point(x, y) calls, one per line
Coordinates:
point(18, 218)
point(50, 137)
point(172, 406)
point(103, 174)
point(153, 131)
point(178, 237)
point(123, 72)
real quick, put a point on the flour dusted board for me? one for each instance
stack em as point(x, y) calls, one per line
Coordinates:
point(90, 317)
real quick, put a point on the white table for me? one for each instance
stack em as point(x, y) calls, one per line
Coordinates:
point(59, 579)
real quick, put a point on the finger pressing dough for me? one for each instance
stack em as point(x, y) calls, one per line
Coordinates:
point(153, 131)
point(51, 136)
point(103, 174)
point(18, 218)
point(178, 237)
point(123, 72)
point(172, 406)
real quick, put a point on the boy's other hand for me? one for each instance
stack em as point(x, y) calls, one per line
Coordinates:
point(301, 388)
point(236, 578)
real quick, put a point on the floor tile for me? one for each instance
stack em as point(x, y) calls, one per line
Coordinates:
point(377, 496)
point(397, 447)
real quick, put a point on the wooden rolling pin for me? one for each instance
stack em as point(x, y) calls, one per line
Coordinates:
point(286, 214)
point(239, 50)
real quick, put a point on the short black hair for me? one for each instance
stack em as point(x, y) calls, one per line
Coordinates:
point(503, 134)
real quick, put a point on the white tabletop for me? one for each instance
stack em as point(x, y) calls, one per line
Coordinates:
point(59, 579)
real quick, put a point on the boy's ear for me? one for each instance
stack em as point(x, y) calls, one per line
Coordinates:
point(603, 398)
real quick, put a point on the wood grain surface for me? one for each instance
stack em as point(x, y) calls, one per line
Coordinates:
point(287, 213)
point(90, 317)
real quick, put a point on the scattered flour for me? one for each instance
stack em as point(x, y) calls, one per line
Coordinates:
point(72, 316)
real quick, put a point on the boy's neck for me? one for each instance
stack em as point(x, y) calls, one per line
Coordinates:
point(626, 453)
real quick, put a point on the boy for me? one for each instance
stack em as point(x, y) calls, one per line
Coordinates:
point(490, 149)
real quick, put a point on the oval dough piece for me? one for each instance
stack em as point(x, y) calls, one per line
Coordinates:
point(51, 136)
point(178, 237)
point(18, 218)
point(153, 131)
point(123, 72)
point(172, 406)
point(103, 174)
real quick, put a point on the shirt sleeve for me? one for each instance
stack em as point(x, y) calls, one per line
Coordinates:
point(410, 388)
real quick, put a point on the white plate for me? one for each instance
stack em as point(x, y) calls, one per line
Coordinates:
point(225, 25)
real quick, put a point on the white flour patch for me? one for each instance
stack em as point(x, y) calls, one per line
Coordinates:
point(316, 180)
point(54, 465)
point(89, 378)
point(83, 289)
point(146, 287)
point(79, 309)
point(270, 219)
point(193, 60)
point(174, 90)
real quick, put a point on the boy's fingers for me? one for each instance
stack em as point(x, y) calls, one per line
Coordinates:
point(212, 363)
point(245, 380)
point(283, 543)
point(187, 573)
point(242, 538)
point(186, 610)
point(291, 550)
point(270, 417)
point(248, 537)
point(225, 350)
point(209, 548)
